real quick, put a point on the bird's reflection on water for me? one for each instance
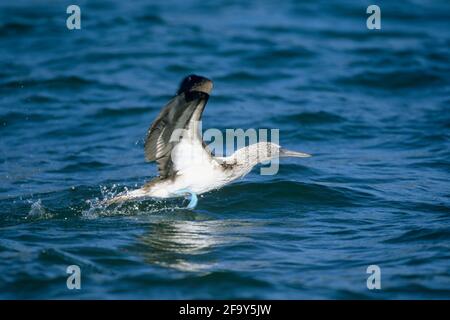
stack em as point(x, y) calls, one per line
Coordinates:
point(184, 245)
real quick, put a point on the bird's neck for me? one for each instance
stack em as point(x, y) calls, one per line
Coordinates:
point(244, 159)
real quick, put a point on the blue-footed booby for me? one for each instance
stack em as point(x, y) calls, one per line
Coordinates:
point(185, 164)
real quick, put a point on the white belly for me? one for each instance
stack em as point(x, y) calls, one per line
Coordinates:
point(198, 180)
point(196, 172)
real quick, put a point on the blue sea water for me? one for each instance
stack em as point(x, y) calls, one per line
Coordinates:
point(372, 106)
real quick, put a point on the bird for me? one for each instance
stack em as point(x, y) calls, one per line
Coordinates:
point(186, 166)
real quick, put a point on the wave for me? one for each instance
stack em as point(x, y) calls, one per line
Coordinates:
point(391, 80)
point(272, 193)
point(71, 82)
point(12, 118)
point(15, 29)
point(421, 234)
point(311, 118)
point(112, 112)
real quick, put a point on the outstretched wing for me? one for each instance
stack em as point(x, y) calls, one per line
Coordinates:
point(182, 112)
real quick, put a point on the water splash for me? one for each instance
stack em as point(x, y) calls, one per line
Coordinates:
point(99, 206)
point(37, 210)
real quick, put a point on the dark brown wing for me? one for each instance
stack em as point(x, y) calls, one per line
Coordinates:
point(179, 113)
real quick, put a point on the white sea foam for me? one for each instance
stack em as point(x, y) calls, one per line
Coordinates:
point(98, 206)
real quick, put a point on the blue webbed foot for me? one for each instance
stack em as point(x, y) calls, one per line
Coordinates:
point(193, 200)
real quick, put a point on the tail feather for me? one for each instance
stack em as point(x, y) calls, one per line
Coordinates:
point(126, 196)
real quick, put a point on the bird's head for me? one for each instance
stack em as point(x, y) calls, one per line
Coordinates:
point(262, 152)
point(269, 150)
point(265, 151)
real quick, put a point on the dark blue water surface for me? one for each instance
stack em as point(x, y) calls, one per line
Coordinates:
point(372, 106)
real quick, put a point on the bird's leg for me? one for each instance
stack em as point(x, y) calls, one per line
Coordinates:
point(193, 200)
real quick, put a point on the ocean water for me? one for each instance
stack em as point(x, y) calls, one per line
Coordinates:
point(372, 106)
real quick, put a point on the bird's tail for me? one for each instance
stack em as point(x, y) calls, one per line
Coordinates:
point(141, 193)
point(125, 196)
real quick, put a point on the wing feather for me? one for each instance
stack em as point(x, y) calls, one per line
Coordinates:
point(179, 113)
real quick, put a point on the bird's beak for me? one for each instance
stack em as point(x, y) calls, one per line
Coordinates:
point(290, 153)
